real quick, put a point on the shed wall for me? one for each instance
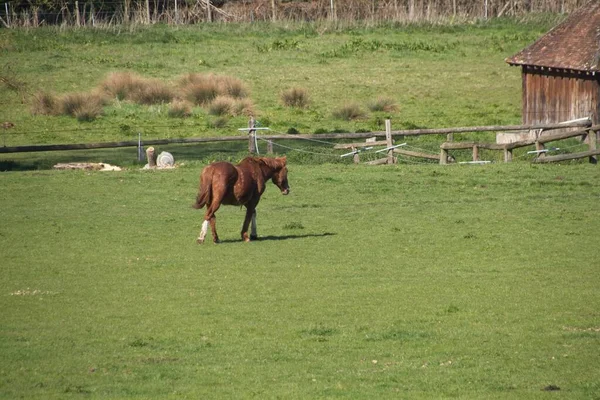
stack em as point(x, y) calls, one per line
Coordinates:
point(556, 96)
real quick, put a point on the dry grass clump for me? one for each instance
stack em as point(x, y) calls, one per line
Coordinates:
point(226, 105)
point(180, 109)
point(383, 103)
point(203, 89)
point(152, 91)
point(243, 107)
point(349, 112)
point(295, 97)
point(231, 86)
point(120, 85)
point(130, 86)
point(221, 105)
point(83, 106)
point(45, 103)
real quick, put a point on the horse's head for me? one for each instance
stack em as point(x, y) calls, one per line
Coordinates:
point(280, 176)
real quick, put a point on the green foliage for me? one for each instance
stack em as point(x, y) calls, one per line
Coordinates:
point(368, 282)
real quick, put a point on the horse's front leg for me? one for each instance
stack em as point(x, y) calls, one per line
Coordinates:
point(250, 216)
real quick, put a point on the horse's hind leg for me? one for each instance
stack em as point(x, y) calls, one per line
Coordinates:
point(203, 232)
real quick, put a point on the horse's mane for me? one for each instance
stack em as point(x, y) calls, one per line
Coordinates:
point(273, 163)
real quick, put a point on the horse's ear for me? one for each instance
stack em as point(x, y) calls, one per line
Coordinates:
point(283, 160)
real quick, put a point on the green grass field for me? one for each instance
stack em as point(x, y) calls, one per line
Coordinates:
point(404, 281)
point(438, 76)
point(368, 282)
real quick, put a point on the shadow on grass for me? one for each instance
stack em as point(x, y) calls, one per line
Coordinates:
point(283, 237)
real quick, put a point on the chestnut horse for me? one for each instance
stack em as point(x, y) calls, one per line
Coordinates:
point(237, 185)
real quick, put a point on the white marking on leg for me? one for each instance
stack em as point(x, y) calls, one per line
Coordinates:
point(203, 231)
point(253, 225)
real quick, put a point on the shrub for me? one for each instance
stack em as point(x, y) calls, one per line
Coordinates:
point(200, 93)
point(230, 86)
point(152, 91)
point(383, 103)
point(45, 103)
point(180, 109)
point(202, 89)
point(349, 112)
point(121, 85)
point(221, 105)
point(128, 86)
point(83, 106)
point(295, 97)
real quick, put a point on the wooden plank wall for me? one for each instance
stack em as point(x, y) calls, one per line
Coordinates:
point(555, 96)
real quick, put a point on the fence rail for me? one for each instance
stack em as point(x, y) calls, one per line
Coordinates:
point(588, 130)
point(331, 136)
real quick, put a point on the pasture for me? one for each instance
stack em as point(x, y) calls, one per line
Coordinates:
point(368, 282)
point(435, 76)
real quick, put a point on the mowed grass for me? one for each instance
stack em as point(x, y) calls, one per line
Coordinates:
point(368, 282)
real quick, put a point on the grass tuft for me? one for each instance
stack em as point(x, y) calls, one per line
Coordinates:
point(83, 106)
point(221, 105)
point(295, 97)
point(180, 109)
point(45, 103)
point(349, 112)
point(383, 103)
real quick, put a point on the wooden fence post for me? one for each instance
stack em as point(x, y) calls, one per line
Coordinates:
point(269, 147)
point(508, 155)
point(251, 133)
point(389, 141)
point(475, 153)
point(444, 157)
point(539, 147)
point(593, 142)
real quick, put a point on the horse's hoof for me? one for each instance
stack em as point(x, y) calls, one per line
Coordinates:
point(216, 241)
point(253, 237)
point(199, 241)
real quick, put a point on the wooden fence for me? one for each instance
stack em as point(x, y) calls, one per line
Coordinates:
point(587, 130)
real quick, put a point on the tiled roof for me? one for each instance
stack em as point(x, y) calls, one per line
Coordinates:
point(574, 44)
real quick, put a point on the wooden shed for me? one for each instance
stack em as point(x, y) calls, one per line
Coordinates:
point(561, 70)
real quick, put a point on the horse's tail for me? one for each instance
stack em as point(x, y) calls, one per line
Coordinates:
point(205, 191)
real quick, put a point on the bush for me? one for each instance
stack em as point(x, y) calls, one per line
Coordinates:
point(152, 91)
point(349, 112)
point(221, 105)
point(295, 97)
